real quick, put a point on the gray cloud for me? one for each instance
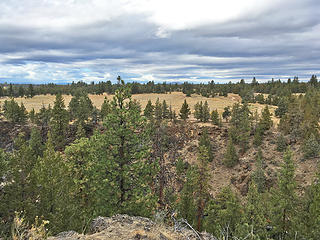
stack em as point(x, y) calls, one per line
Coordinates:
point(279, 41)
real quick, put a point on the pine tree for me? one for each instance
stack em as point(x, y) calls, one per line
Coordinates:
point(205, 141)
point(32, 116)
point(230, 157)
point(266, 121)
point(30, 91)
point(284, 200)
point(184, 111)
point(198, 111)
point(258, 175)
point(158, 110)
point(59, 122)
point(35, 142)
point(165, 110)
point(50, 174)
point(148, 111)
point(187, 205)
point(281, 143)
point(215, 117)
point(311, 147)
point(202, 184)
point(205, 112)
point(255, 213)
point(105, 108)
point(129, 146)
point(226, 113)
point(223, 214)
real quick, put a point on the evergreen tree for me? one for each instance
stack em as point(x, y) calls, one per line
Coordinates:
point(172, 114)
point(223, 214)
point(205, 142)
point(266, 121)
point(184, 111)
point(281, 143)
point(129, 146)
point(148, 111)
point(311, 147)
point(198, 111)
point(59, 122)
point(13, 112)
point(202, 184)
point(215, 117)
point(187, 205)
point(50, 174)
point(30, 91)
point(284, 200)
point(158, 110)
point(258, 176)
point(205, 112)
point(165, 110)
point(35, 142)
point(226, 113)
point(32, 116)
point(43, 117)
point(105, 108)
point(230, 157)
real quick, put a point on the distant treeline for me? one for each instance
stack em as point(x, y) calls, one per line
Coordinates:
point(211, 89)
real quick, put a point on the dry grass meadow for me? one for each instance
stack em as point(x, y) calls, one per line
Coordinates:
point(175, 99)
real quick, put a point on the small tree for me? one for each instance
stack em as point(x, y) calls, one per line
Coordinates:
point(281, 143)
point(165, 110)
point(230, 157)
point(158, 110)
point(198, 111)
point(266, 121)
point(184, 111)
point(311, 147)
point(148, 111)
point(226, 114)
point(258, 176)
point(215, 117)
point(205, 112)
point(105, 108)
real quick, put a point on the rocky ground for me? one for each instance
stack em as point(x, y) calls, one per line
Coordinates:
point(124, 227)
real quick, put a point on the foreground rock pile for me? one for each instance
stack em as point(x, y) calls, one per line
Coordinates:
point(120, 227)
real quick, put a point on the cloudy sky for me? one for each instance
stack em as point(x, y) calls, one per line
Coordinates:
point(169, 40)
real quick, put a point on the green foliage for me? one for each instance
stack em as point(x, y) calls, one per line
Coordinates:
point(126, 127)
point(202, 111)
point(14, 113)
point(158, 110)
point(266, 121)
point(241, 125)
point(35, 142)
point(184, 111)
point(206, 142)
point(59, 122)
point(105, 108)
point(226, 113)
point(198, 108)
point(281, 143)
point(43, 117)
point(80, 108)
point(230, 157)
point(50, 175)
point(311, 147)
point(165, 110)
point(285, 200)
point(148, 111)
point(258, 175)
point(215, 117)
point(223, 214)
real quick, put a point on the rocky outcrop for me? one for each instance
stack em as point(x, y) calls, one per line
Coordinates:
point(120, 227)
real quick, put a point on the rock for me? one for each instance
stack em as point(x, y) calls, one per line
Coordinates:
point(99, 224)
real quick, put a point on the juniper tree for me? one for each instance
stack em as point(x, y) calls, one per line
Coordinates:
point(184, 111)
point(311, 147)
point(226, 113)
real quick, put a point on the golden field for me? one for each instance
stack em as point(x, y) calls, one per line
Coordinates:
point(175, 99)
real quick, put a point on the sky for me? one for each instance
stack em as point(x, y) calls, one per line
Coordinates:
point(61, 41)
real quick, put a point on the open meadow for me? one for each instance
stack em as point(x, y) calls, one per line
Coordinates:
point(175, 99)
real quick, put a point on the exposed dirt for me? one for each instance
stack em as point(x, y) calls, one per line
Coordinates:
point(124, 227)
